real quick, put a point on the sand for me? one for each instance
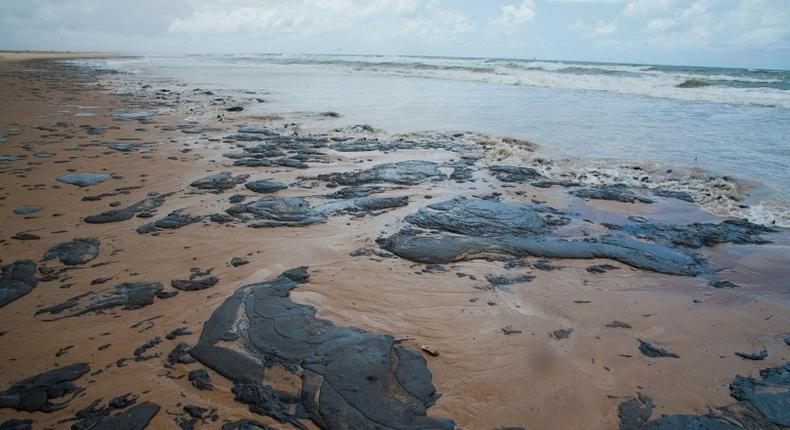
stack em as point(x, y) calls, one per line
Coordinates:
point(22, 56)
point(488, 379)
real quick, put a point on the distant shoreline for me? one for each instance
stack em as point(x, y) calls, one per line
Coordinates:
point(23, 55)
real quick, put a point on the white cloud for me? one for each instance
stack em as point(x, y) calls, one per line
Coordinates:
point(691, 25)
point(756, 23)
point(597, 30)
point(712, 25)
point(590, 1)
point(438, 23)
point(693, 18)
point(214, 20)
point(735, 32)
point(642, 8)
point(410, 18)
point(516, 15)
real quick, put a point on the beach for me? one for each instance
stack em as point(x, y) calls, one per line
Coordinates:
point(360, 275)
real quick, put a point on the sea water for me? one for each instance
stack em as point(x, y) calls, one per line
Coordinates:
point(733, 122)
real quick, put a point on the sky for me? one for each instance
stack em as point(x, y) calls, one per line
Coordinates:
point(733, 33)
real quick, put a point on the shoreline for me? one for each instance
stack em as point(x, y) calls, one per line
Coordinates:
point(24, 55)
point(523, 376)
point(722, 188)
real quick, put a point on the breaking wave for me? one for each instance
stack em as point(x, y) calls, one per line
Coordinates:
point(768, 88)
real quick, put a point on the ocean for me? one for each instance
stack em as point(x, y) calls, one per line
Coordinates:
point(708, 122)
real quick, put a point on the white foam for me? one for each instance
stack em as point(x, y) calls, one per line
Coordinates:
point(618, 78)
point(651, 81)
point(717, 195)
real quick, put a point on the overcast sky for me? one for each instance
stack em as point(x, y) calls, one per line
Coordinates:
point(747, 33)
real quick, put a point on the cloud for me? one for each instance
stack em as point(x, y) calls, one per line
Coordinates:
point(711, 25)
point(215, 20)
point(409, 18)
point(733, 32)
point(641, 8)
point(599, 29)
point(590, 1)
point(437, 23)
point(692, 19)
point(516, 15)
point(756, 23)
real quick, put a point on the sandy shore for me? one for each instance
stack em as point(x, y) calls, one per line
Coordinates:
point(536, 348)
point(17, 56)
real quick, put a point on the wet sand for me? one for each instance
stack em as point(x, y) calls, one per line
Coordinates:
point(22, 56)
point(488, 379)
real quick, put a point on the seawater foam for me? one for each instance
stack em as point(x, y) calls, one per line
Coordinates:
point(718, 195)
point(766, 88)
point(651, 85)
point(732, 86)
